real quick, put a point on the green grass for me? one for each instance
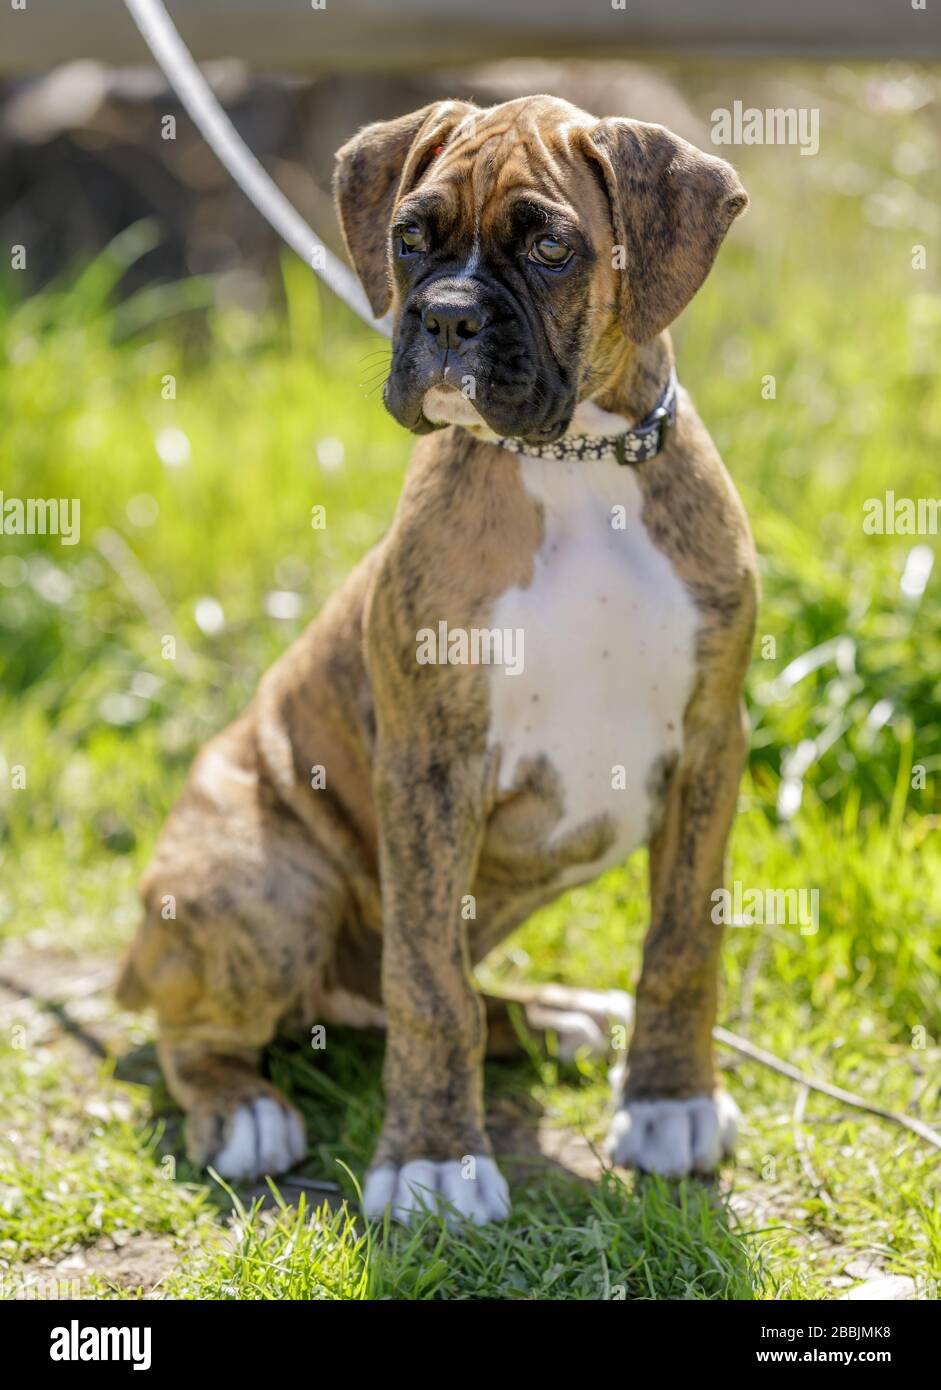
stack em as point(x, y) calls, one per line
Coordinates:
point(105, 727)
point(600, 1244)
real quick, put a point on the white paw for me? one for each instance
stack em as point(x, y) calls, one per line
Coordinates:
point(574, 1031)
point(674, 1137)
point(580, 1018)
point(263, 1137)
point(476, 1190)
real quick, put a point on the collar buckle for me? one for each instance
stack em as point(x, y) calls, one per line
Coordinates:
point(649, 437)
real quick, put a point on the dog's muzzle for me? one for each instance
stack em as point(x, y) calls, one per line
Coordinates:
point(462, 333)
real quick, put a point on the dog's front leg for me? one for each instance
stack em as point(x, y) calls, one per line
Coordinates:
point(433, 1151)
point(672, 1120)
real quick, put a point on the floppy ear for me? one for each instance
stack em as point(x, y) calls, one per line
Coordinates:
point(671, 206)
point(379, 164)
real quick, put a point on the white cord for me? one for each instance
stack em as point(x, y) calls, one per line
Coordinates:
point(180, 70)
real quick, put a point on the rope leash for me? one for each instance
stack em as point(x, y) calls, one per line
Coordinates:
point(179, 67)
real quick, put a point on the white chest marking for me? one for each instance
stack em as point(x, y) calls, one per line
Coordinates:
point(609, 636)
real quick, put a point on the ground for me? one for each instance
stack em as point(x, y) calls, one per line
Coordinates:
point(198, 431)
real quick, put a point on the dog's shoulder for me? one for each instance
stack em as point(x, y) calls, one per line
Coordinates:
point(694, 515)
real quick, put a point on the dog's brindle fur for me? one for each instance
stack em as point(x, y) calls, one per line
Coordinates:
point(267, 898)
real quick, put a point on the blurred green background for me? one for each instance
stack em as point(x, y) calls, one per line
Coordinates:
point(195, 521)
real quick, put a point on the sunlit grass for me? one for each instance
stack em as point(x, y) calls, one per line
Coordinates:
point(202, 434)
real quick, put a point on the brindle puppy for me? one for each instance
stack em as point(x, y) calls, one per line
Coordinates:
point(533, 258)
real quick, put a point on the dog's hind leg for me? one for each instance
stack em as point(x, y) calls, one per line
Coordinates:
point(242, 912)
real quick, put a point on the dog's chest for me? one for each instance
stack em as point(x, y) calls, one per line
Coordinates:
point(608, 634)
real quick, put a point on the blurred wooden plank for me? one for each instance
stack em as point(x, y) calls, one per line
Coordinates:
point(399, 35)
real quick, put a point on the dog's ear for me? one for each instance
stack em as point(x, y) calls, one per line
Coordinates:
point(671, 206)
point(374, 169)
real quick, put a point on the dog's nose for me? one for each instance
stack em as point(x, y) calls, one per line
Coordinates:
point(452, 324)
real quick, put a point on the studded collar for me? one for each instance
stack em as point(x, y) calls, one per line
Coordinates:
point(629, 448)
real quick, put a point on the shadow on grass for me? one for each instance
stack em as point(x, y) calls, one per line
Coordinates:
point(577, 1231)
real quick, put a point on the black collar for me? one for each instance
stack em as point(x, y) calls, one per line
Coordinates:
point(631, 447)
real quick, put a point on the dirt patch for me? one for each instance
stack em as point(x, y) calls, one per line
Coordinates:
point(64, 1001)
point(136, 1263)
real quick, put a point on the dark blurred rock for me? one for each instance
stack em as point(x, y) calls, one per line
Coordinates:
point(82, 154)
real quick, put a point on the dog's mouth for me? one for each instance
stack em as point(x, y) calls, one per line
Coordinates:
point(446, 405)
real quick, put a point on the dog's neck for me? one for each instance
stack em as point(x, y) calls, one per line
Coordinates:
point(614, 422)
point(631, 379)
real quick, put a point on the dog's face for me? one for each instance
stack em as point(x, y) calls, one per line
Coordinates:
point(523, 249)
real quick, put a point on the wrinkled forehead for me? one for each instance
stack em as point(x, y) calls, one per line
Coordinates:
point(519, 162)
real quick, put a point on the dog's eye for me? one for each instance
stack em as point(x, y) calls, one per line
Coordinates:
point(411, 238)
point(549, 251)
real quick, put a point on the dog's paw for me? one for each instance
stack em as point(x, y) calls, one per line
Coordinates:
point(459, 1190)
point(581, 1019)
point(261, 1136)
point(674, 1137)
point(574, 1031)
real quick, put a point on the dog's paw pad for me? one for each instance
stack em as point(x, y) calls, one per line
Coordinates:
point(469, 1189)
point(261, 1137)
point(674, 1137)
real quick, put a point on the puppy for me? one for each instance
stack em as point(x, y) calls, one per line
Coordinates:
point(536, 671)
